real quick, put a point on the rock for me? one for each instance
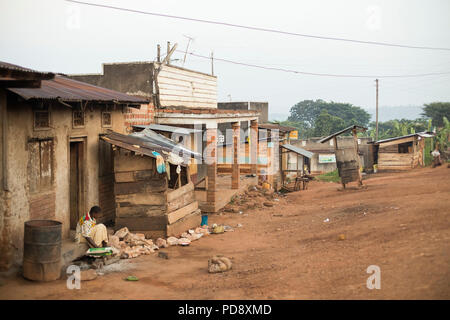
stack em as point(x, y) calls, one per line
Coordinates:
point(268, 204)
point(161, 243)
point(172, 241)
point(195, 236)
point(88, 275)
point(184, 235)
point(114, 241)
point(163, 255)
point(121, 233)
point(184, 242)
point(219, 264)
point(154, 247)
point(140, 236)
point(191, 231)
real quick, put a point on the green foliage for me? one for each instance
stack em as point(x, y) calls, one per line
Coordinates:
point(326, 124)
point(442, 134)
point(437, 111)
point(332, 176)
point(396, 128)
point(312, 117)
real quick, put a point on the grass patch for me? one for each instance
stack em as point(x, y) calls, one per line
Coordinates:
point(332, 176)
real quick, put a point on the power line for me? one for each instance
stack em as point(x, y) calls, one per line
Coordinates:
point(261, 29)
point(315, 73)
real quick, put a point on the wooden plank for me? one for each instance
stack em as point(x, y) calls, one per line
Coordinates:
point(125, 210)
point(150, 223)
point(180, 213)
point(148, 186)
point(126, 163)
point(186, 75)
point(185, 86)
point(188, 93)
point(143, 198)
point(173, 195)
point(399, 141)
point(190, 221)
point(189, 104)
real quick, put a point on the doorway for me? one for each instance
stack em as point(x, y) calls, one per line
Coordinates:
point(76, 181)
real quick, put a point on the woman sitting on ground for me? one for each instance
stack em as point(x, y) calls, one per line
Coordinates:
point(91, 232)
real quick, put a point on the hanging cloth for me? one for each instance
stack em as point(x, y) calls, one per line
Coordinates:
point(160, 166)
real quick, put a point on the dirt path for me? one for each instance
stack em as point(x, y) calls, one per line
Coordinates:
point(400, 222)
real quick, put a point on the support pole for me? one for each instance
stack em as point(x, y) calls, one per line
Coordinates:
point(376, 120)
point(235, 167)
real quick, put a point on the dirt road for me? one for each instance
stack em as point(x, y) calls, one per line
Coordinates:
point(400, 222)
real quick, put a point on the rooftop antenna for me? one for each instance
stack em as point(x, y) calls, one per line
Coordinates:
point(187, 47)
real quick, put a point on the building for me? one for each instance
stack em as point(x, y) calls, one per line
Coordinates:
point(184, 98)
point(401, 153)
point(158, 204)
point(54, 165)
point(324, 159)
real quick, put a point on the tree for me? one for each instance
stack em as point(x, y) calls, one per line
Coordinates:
point(396, 128)
point(437, 111)
point(307, 112)
point(326, 124)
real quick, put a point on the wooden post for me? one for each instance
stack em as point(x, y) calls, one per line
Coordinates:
point(158, 54)
point(335, 151)
point(355, 140)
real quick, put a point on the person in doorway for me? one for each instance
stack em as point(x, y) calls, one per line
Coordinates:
point(436, 157)
point(89, 231)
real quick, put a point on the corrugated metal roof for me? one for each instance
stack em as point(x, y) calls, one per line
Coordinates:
point(298, 150)
point(72, 90)
point(424, 134)
point(165, 128)
point(6, 67)
point(342, 132)
point(146, 142)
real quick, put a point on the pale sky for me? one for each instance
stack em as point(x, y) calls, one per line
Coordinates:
point(54, 35)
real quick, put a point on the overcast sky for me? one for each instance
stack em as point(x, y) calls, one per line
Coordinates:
point(54, 35)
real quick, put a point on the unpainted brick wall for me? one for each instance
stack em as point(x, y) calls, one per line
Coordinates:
point(43, 206)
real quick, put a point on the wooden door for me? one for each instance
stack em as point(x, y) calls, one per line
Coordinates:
point(76, 183)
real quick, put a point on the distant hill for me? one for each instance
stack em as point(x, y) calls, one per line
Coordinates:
point(398, 112)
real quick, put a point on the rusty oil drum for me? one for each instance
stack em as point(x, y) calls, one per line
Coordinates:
point(42, 250)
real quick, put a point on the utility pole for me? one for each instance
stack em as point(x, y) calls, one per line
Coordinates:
point(376, 119)
point(212, 63)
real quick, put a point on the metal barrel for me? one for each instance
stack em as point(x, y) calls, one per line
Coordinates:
point(42, 250)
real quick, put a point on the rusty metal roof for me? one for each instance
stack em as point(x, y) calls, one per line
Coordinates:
point(276, 126)
point(66, 89)
point(424, 134)
point(15, 71)
point(360, 128)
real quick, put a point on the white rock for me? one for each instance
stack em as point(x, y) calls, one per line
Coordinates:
point(184, 241)
point(161, 243)
point(121, 233)
point(172, 241)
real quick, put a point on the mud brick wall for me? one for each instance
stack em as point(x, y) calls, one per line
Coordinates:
point(42, 206)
